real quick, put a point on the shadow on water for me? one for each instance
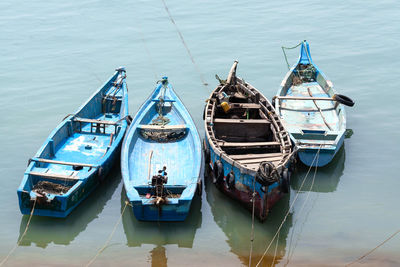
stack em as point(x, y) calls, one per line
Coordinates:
point(44, 230)
point(327, 178)
point(235, 222)
point(161, 233)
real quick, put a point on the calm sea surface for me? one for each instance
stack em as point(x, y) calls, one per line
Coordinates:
point(54, 55)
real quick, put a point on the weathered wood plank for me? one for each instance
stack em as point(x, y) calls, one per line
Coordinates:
point(304, 98)
point(63, 162)
point(252, 144)
point(162, 128)
point(254, 156)
point(55, 176)
point(258, 160)
point(95, 121)
point(245, 105)
point(251, 121)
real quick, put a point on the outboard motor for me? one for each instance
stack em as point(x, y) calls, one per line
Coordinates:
point(158, 190)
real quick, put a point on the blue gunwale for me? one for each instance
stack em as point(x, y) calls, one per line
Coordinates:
point(183, 159)
point(305, 125)
point(69, 142)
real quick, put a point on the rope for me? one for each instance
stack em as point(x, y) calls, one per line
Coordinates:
point(301, 209)
point(375, 248)
point(291, 206)
point(186, 46)
point(148, 55)
point(284, 53)
point(22, 236)
point(276, 249)
point(252, 220)
point(109, 238)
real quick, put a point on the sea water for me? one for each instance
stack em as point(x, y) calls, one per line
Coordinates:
point(54, 54)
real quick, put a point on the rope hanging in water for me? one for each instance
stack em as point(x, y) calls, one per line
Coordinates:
point(186, 46)
point(22, 236)
point(375, 248)
point(252, 220)
point(288, 48)
point(290, 208)
point(109, 237)
point(304, 204)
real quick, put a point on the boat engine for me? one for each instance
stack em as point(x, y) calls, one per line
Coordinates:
point(158, 189)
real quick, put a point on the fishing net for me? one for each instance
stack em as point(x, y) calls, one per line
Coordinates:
point(50, 188)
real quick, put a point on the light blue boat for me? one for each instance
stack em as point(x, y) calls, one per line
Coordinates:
point(78, 154)
point(311, 111)
point(161, 158)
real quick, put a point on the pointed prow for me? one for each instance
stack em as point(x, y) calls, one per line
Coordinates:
point(232, 74)
point(305, 55)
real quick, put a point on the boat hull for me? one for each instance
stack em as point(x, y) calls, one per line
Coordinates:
point(62, 206)
point(308, 156)
point(177, 161)
point(78, 154)
point(168, 212)
point(242, 191)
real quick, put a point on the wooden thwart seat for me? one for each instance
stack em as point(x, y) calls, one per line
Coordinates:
point(96, 124)
point(248, 144)
point(55, 176)
point(255, 156)
point(305, 98)
point(259, 160)
point(163, 128)
point(63, 162)
point(245, 105)
point(242, 121)
point(95, 121)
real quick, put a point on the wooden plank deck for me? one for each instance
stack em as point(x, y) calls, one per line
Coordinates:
point(248, 144)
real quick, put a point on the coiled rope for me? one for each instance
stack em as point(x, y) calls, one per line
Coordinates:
point(290, 208)
point(22, 236)
point(185, 45)
point(109, 237)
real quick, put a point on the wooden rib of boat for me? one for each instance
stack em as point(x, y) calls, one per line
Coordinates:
point(78, 154)
point(311, 111)
point(161, 158)
point(246, 146)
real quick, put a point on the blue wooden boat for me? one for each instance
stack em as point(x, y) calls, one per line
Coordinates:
point(311, 111)
point(161, 158)
point(78, 154)
point(246, 145)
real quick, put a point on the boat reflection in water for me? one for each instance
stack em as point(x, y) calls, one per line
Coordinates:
point(62, 231)
point(327, 178)
point(236, 223)
point(160, 234)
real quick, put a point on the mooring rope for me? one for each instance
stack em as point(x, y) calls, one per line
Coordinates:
point(301, 209)
point(148, 54)
point(109, 237)
point(291, 206)
point(375, 248)
point(252, 220)
point(284, 53)
point(276, 250)
point(185, 45)
point(22, 236)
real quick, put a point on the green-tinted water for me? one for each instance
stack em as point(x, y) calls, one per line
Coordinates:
point(54, 55)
